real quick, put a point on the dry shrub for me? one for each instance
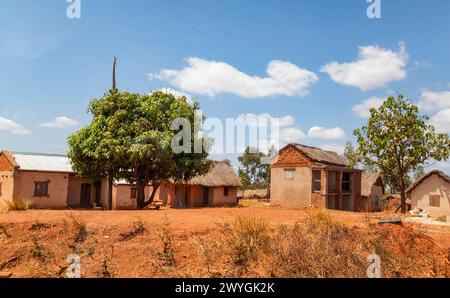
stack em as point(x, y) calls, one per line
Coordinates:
point(167, 252)
point(245, 241)
point(7, 205)
point(319, 247)
point(138, 228)
point(322, 247)
point(80, 229)
point(406, 252)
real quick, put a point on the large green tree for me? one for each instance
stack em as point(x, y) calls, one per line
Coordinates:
point(131, 137)
point(397, 139)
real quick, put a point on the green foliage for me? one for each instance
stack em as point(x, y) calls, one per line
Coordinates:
point(130, 137)
point(351, 155)
point(397, 139)
point(252, 171)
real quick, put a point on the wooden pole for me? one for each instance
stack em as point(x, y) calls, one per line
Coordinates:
point(114, 74)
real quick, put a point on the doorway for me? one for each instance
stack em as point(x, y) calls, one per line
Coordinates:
point(205, 196)
point(85, 197)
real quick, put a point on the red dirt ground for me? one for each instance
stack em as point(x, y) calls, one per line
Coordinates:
point(106, 227)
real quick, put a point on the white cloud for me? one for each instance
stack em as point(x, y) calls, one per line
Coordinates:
point(363, 109)
point(213, 77)
point(176, 93)
point(264, 120)
point(442, 121)
point(291, 135)
point(339, 149)
point(12, 127)
point(60, 122)
point(375, 68)
point(318, 132)
point(434, 100)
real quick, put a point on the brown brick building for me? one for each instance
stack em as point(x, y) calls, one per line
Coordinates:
point(308, 176)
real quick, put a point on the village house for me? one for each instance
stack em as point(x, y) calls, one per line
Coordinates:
point(431, 193)
point(308, 176)
point(372, 192)
point(49, 182)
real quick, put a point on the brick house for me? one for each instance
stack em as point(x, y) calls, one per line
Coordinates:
point(304, 176)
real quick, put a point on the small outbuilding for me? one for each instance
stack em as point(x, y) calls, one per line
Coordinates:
point(372, 192)
point(431, 193)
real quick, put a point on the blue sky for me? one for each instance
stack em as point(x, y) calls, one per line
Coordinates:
point(327, 62)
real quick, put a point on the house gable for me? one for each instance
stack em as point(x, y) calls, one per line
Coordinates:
point(291, 157)
point(6, 162)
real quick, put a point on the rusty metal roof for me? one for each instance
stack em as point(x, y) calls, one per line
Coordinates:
point(322, 156)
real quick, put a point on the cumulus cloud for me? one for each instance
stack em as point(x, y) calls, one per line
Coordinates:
point(322, 133)
point(442, 121)
point(291, 135)
point(363, 109)
point(60, 122)
point(374, 68)
point(209, 77)
point(12, 127)
point(434, 100)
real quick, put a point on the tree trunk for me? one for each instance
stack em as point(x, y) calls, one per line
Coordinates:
point(402, 193)
point(110, 191)
point(152, 195)
point(140, 195)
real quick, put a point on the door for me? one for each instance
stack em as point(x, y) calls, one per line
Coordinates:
point(85, 200)
point(205, 196)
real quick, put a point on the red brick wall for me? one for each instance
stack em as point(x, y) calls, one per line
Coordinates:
point(291, 157)
point(5, 165)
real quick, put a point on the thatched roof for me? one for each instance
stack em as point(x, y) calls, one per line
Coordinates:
point(368, 180)
point(426, 176)
point(321, 156)
point(220, 174)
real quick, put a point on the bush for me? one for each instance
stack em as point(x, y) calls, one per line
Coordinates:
point(15, 205)
point(246, 240)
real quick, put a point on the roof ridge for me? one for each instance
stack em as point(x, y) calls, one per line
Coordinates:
point(39, 154)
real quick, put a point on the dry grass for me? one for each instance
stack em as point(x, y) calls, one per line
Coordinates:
point(15, 205)
point(317, 245)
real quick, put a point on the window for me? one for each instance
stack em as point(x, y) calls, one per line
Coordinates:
point(133, 193)
point(41, 189)
point(316, 180)
point(289, 173)
point(346, 182)
point(226, 191)
point(435, 201)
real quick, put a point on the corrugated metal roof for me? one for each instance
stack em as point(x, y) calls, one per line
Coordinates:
point(43, 162)
point(323, 156)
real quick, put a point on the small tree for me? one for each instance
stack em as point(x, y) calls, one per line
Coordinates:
point(252, 171)
point(351, 155)
point(397, 140)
